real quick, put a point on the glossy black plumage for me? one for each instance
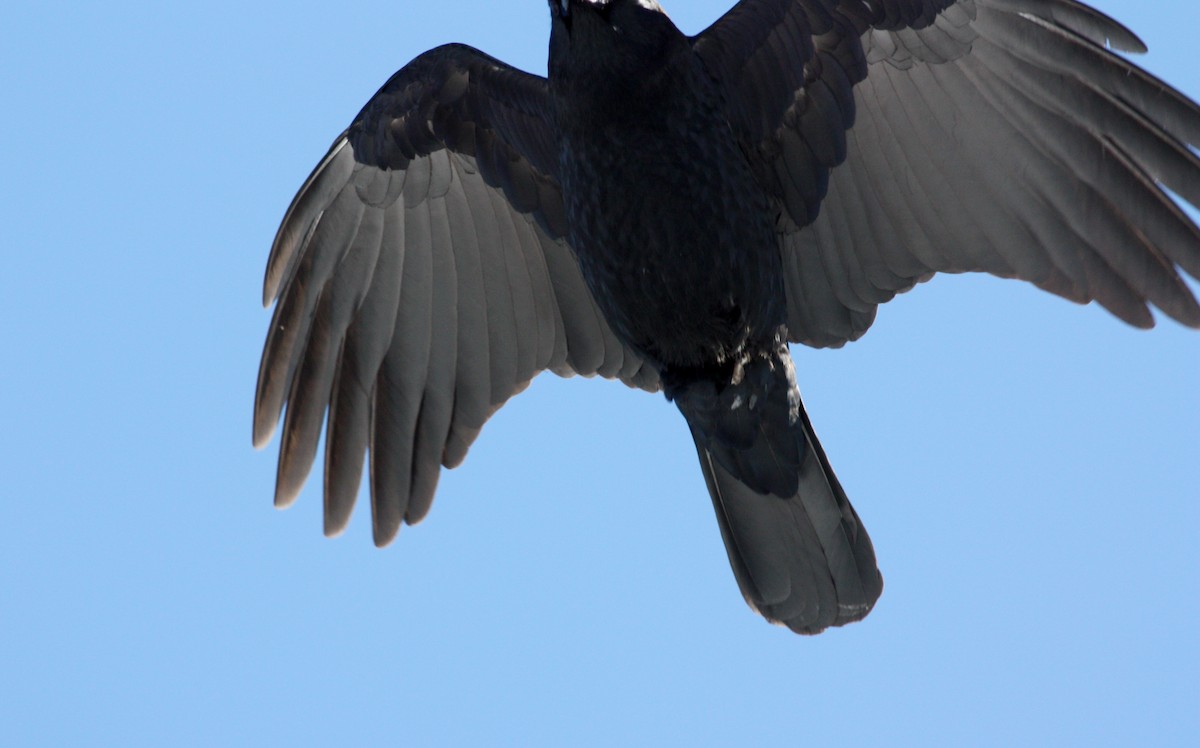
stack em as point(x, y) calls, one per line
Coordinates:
point(671, 211)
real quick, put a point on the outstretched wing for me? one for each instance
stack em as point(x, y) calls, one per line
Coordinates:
point(903, 138)
point(421, 281)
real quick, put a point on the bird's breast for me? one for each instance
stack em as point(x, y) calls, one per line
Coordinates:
point(674, 237)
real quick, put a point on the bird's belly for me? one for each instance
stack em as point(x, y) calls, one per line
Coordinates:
point(680, 254)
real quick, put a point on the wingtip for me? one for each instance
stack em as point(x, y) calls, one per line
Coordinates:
point(283, 248)
point(1134, 45)
point(338, 509)
point(334, 528)
point(1124, 40)
point(383, 535)
point(284, 497)
point(1133, 314)
point(289, 479)
point(1186, 312)
point(1099, 27)
point(261, 433)
point(273, 277)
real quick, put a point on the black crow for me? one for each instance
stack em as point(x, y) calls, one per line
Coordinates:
point(672, 211)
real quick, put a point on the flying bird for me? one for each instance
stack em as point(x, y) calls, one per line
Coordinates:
point(673, 211)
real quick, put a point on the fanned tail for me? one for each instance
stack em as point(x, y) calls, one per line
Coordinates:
point(799, 552)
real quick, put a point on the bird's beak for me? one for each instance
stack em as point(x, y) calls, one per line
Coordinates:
point(564, 7)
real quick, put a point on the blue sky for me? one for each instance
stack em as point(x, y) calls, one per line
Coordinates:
point(1026, 467)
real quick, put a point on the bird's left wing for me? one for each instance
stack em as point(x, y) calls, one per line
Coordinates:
point(906, 137)
point(421, 280)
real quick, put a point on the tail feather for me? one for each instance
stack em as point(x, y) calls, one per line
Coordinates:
point(799, 552)
point(804, 560)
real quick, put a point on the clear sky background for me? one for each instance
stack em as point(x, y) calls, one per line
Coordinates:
point(1026, 467)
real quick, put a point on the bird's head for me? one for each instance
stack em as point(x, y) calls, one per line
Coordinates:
point(597, 43)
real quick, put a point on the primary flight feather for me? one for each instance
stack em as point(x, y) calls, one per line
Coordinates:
point(673, 211)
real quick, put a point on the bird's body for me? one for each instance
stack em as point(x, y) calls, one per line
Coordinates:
point(686, 264)
point(674, 211)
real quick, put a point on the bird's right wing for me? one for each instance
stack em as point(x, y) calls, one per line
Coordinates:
point(421, 280)
point(907, 137)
